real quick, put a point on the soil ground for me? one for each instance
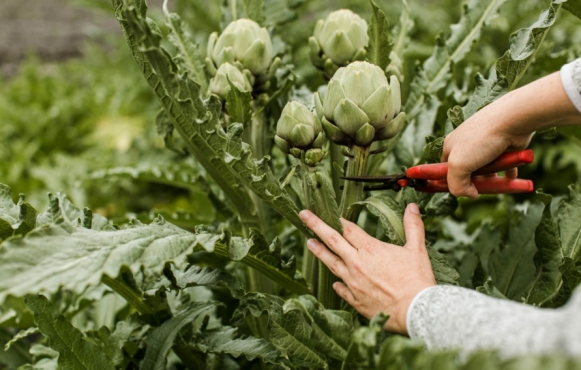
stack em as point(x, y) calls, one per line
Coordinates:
point(53, 29)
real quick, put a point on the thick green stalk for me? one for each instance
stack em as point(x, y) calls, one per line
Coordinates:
point(261, 144)
point(310, 265)
point(128, 294)
point(353, 191)
point(338, 158)
point(319, 189)
point(188, 359)
point(325, 292)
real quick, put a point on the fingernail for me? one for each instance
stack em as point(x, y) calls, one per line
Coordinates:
point(304, 214)
point(414, 208)
point(311, 244)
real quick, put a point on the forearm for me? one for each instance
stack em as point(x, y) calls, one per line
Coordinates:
point(541, 104)
point(454, 317)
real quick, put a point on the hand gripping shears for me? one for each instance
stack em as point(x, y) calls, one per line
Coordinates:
point(431, 178)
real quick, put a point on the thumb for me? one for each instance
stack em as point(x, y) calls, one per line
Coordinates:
point(414, 227)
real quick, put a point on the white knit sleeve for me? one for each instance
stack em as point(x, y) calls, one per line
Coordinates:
point(571, 79)
point(447, 317)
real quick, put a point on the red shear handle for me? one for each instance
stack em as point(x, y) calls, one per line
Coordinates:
point(439, 171)
point(485, 185)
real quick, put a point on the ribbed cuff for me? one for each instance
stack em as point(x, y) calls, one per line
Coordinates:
point(569, 84)
point(410, 309)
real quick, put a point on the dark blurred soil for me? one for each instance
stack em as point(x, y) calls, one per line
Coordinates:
point(53, 29)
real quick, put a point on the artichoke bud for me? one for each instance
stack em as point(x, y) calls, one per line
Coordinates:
point(302, 135)
point(298, 129)
point(338, 40)
point(245, 42)
point(314, 156)
point(360, 105)
point(219, 83)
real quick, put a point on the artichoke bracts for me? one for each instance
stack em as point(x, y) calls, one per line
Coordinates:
point(219, 83)
point(243, 43)
point(299, 131)
point(360, 106)
point(338, 40)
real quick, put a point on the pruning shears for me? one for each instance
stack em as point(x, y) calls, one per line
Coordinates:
point(431, 178)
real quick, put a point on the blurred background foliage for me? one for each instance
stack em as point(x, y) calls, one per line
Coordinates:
point(82, 125)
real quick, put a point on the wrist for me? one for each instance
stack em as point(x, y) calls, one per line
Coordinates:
point(399, 319)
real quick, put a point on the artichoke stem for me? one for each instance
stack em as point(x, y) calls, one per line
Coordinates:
point(310, 265)
point(353, 191)
point(259, 140)
point(315, 272)
point(337, 157)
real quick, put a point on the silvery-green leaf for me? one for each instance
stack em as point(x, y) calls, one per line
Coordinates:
point(189, 54)
point(331, 329)
point(288, 331)
point(380, 42)
point(160, 340)
point(74, 351)
point(506, 73)
point(436, 70)
point(512, 268)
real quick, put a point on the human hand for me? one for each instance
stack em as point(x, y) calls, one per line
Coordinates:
point(507, 124)
point(377, 276)
point(477, 142)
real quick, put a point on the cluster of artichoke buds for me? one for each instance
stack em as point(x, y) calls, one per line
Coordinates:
point(245, 45)
point(338, 40)
point(299, 132)
point(360, 106)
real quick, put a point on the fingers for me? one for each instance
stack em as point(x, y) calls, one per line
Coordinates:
point(512, 173)
point(345, 293)
point(414, 227)
point(355, 235)
point(331, 260)
point(328, 235)
point(459, 182)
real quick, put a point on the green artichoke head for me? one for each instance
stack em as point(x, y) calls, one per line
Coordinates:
point(298, 130)
point(338, 39)
point(360, 106)
point(245, 42)
point(219, 83)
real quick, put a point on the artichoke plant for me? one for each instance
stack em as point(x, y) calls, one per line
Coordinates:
point(338, 40)
point(219, 83)
point(243, 42)
point(360, 105)
point(299, 131)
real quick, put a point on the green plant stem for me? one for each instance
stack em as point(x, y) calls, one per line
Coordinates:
point(320, 200)
point(260, 141)
point(338, 158)
point(234, 9)
point(188, 359)
point(310, 265)
point(128, 294)
point(353, 191)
